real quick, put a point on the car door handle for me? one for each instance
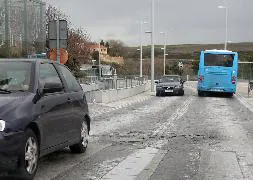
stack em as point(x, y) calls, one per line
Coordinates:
point(69, 100)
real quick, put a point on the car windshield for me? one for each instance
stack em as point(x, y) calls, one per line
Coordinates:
point(170, 79)
point(15, 76)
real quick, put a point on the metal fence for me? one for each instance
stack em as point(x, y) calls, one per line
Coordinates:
point(123, 83)
point(119, 83)
point(245, 71)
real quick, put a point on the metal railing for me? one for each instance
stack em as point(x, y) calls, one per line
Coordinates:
point(245, 73)
point(122, 83)
point(113, 83)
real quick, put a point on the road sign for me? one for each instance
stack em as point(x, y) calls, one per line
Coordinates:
point(53, 43)
point(63, 30)
point(63, 55)
point(63, 34)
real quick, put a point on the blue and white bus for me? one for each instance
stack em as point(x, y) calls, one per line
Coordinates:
point(217, 72)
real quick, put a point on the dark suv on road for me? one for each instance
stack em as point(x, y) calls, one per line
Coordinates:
point(170, 84)
point(42, 109)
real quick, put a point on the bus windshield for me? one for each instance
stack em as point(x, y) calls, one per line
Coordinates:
point(219, 60)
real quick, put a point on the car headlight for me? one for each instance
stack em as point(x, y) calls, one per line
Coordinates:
point(178, 86)
point(158, 87)
point(2, 125)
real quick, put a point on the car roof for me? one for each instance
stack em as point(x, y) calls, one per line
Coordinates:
point(170, 75)
point(27, 60)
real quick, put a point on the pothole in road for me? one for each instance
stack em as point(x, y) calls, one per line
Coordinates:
point(130, 137)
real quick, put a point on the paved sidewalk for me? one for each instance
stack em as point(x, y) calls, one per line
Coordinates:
point(242, 94)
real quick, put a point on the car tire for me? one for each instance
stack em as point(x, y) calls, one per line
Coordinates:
point(83, 144)
point(182, 93)
point(157, 94)
point(29, 156)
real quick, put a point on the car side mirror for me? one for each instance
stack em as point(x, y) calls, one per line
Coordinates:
point(52, 87)
point(182, 81)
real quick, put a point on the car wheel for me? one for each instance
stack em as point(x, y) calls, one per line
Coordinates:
point(83, 144)
point(157, 94)
point(182, 93)
point(29, 156)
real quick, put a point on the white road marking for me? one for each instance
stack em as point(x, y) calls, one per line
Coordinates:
point(127, 119)
point(161, 128)
point(142, 163)
point(132, 165)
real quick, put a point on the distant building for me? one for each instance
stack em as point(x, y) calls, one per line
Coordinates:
point(105, 57)
point(95, 47)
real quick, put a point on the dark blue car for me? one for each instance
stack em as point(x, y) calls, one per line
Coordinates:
point(42, 109)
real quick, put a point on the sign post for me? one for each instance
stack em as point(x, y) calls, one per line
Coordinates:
point(58, 35)
point(58, 40)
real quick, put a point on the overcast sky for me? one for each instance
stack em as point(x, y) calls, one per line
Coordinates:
point(187, 21)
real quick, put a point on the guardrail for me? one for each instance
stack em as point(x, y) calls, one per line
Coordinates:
point(112, 83)
point(123, 83)
point(111, 95)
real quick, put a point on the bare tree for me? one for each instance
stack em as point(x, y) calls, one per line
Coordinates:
point(78, 40)
point(116, 48)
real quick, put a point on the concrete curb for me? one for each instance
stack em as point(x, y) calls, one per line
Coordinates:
point(107, 96)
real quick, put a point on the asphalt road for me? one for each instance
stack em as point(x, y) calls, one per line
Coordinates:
point(166, 138)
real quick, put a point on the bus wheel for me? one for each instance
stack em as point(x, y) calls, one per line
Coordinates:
point(230, 95)
point(200, 93)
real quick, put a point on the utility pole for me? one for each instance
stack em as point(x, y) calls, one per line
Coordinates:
point(99, 60)
point(226, 40)
point(7, 27)
point(226, 43)
point(25, 29)
point(58, 39)
point(41, 33)
point(153, 46)
point(164, 61)
point(164, 51)
point(141, 49)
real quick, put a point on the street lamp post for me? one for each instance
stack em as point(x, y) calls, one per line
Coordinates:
point(141, 45)
point(226, 9)
point(99, 60)
point(164, 51)
point(153, 46)
point(152, 32)
point(7, 27)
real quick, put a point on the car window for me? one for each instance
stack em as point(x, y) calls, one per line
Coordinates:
point(15, 76)
point(70, 79)
point(170, 79)
point(48, 73)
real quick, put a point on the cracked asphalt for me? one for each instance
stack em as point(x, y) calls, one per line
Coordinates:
point(165, 138)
